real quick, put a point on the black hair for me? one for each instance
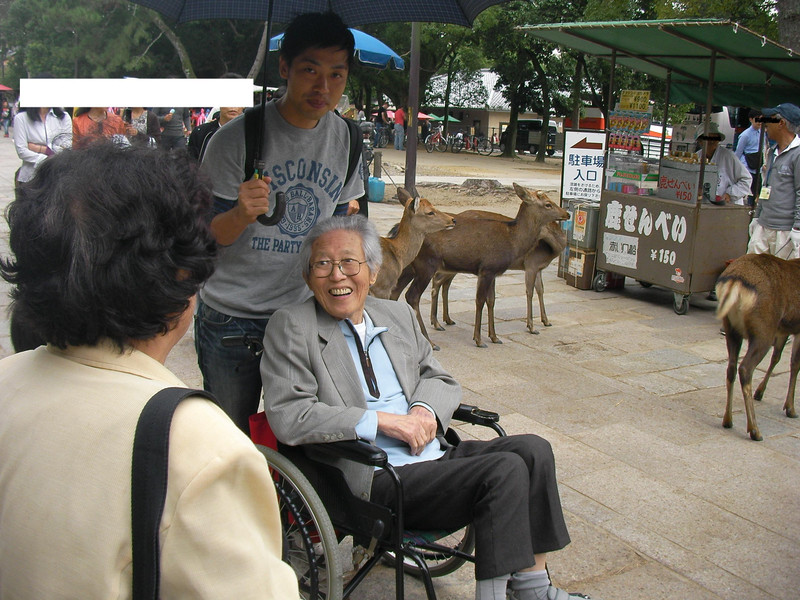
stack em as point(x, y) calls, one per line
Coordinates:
point(33, 112)
point(108, 242)
point(317, 30)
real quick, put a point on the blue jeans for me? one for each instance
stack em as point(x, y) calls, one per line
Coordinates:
point(399, 134)
point(232, 374)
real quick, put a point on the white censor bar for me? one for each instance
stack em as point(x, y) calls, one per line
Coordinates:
point(136, 92)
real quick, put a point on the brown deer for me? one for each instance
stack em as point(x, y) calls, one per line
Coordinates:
point(758, 300)
point(419, 218)
point(552, 242)
point(483, 247)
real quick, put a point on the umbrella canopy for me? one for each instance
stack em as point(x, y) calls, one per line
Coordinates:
point(369, 51)
point(4, 88)
point(352, 12)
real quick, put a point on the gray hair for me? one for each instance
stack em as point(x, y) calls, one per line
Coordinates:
point(790, 127)
point(370, 241)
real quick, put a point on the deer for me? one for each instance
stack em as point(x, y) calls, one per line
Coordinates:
point(551, 244)
point(758, 300)
point(483, 247)
point(419, 218)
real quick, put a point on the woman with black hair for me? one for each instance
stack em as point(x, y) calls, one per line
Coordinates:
point(110, 246)
point(39, 133)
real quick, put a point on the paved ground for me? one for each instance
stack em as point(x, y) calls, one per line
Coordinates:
point(661, 501)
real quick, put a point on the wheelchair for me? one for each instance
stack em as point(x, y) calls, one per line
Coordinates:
point(318, 511)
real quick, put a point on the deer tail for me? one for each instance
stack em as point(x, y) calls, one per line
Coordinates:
point(735, 298)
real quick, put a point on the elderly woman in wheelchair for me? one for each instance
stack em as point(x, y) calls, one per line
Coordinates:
point(347, 366)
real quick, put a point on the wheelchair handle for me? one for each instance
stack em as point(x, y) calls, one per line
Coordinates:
point(475, 415)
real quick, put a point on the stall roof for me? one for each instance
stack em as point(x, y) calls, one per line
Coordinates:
point(749, 69)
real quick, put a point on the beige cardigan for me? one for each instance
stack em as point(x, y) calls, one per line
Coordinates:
point(67, 420)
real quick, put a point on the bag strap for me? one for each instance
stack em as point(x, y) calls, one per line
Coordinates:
point(252, 120)
point(149, 486)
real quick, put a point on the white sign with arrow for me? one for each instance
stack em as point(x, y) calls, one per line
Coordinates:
point(582, 169)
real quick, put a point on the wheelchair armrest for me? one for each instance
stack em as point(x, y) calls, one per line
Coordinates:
point(356, 450)
point(475, 416)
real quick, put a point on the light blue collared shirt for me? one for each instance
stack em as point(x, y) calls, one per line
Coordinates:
point(392, 399)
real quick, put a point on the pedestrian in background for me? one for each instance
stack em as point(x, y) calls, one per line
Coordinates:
point(750, 154)
point(399, 128)
point(176, 123)
point(776, 227)
point(39, 133)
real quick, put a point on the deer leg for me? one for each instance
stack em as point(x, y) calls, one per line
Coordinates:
point(530, 282)
point(490, 317)
point(446, 300)
point(481, 293)
point(780, 343)
point(539, 285)
point(435, 287)
point(733, 340)
point(412, 298)
point(788, 406)
point(756, 351)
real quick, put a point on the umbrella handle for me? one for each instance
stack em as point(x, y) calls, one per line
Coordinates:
point(280, 202)
point(277, 212)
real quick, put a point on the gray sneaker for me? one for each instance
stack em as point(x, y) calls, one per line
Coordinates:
point(553, 593)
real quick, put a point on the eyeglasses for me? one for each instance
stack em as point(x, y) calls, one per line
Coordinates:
point(347, 266)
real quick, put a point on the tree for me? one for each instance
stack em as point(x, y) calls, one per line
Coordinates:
point(534, 73)
point(789, 23)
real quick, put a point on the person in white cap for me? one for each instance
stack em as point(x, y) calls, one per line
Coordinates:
point(776, 228)
point(733, 185)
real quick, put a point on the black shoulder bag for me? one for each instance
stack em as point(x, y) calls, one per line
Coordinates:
point(149, 486)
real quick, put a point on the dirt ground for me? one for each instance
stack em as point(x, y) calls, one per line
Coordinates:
point(481, 187)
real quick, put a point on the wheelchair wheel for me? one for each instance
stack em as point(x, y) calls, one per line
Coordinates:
point(310, 545)
point(442, 563)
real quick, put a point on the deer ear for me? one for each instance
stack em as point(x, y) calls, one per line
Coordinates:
point(403, 196)
point(415, 206)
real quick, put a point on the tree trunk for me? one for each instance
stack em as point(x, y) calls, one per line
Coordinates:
point(186, 63)
point(789, 23)
point(260, 54)
point(511, 139)
point(577, 85)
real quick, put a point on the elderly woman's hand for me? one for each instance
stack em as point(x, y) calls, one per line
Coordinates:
point(417, 428)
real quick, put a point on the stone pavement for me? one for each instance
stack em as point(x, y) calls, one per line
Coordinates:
point(661, 501)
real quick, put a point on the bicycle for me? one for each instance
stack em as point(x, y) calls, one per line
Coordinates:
point(436, 141)
point(479, 144)
point(382, 137)
point(367, 132)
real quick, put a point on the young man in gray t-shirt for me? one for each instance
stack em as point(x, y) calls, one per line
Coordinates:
point(306, 156)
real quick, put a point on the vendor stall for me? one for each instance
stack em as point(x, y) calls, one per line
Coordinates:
point(672, 234)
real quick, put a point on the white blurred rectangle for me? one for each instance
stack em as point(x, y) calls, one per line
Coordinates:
point(136, 92)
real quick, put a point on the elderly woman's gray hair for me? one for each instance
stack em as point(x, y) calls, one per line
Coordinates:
point(370, 241)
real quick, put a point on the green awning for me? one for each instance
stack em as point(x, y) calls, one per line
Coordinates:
point(749, 69)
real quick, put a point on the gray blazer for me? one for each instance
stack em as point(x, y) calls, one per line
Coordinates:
point(312, 392)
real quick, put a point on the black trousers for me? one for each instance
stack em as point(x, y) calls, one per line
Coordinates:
point(505, 486)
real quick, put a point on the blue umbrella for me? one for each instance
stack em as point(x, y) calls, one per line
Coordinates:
point(369, 51)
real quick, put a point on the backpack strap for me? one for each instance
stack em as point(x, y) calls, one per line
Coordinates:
point(356, 146)
point(149, 486)
point(252, 120)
